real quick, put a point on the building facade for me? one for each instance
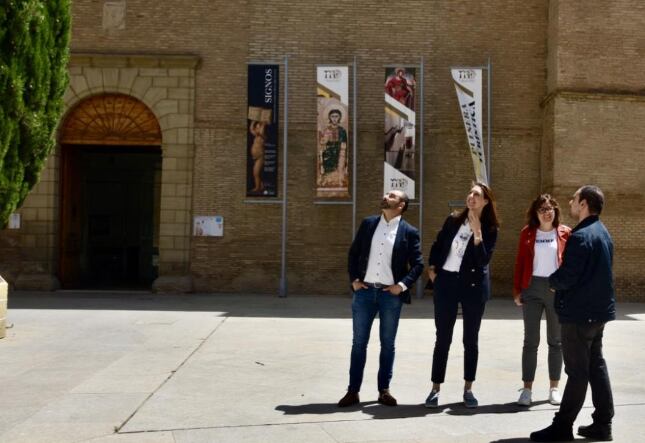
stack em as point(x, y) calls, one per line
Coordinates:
point(155, 134)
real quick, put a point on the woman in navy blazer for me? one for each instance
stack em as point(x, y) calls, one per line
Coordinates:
point(458, 271)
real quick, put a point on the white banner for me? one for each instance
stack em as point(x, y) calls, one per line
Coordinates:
point(332, 177)
point(468, 83)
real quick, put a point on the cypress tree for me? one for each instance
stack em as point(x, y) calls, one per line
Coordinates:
point(34, 51)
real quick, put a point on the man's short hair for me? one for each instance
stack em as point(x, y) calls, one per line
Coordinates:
point(335, 111)
point(406, 200)
point(594, 197)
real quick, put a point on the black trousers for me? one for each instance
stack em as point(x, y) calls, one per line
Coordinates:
point(584, 364)
point(449, 291)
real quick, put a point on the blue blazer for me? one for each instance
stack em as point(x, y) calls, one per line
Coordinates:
point(407, 259)
point(474, 265)
point(584, 282)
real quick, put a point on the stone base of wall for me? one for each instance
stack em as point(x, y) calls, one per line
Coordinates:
point(173, 284)
point(37, 282)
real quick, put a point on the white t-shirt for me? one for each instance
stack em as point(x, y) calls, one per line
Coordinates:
point(545, 258)
point(458, 248)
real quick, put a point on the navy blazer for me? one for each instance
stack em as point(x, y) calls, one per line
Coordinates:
point(474, 265)
point(407, 259)
point(584, 282)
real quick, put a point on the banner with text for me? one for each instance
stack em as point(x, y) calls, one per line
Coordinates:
point(332, 178)
point(262, 135)
point(468, 83)
point(400, 130)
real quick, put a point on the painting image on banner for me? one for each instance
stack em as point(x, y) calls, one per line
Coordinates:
point(332, 178)
point(262, 134)
point(400, 130)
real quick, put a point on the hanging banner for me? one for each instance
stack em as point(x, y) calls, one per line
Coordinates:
point(262, 135)
point(468, 83)
point(400, 130)
point(332, 178)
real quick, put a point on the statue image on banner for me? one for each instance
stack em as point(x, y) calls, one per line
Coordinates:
point(259, 118)
point(400, 130)
point(262, 131)
point(332, 178)
point(400, 85)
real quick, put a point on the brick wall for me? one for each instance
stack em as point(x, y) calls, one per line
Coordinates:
point(593, 131)
point(530, 137)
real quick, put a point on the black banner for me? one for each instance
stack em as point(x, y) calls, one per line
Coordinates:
point(262, 131)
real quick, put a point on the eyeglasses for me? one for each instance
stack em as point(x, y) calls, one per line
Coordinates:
point(544, 210)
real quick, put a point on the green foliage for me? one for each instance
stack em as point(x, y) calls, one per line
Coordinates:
point(34, 51)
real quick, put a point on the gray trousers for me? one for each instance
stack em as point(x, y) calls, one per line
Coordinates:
point(535, 299)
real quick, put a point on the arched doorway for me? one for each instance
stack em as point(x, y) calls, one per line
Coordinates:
point(110, 194)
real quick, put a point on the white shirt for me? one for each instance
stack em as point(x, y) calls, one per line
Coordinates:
point(545, 257)
point(458, 248)
point(379, 264)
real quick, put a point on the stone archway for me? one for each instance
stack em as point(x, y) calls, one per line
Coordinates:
point(110, 119)
point(110, 152)
point(166, 85)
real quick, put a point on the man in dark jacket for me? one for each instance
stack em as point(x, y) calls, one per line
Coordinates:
point(584, 301)
point(384, 261)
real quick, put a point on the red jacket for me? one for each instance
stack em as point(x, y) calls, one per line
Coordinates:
point(525, 253)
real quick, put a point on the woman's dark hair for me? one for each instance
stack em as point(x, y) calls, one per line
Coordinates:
point(532, 212)
point(489, 213)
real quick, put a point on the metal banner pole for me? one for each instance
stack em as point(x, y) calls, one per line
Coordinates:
point(354, 149)
point(419, 285)
point(490, 119)
point(283, 274)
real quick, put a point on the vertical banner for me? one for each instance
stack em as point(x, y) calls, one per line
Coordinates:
point(332, 178)
point(400, 127)
point(468, 83)
point(262, 135)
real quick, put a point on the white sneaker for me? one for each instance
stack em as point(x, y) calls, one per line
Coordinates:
point(525, 397)
point(554, 396)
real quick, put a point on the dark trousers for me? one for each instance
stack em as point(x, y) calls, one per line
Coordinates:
point(449, 291)
point(584, 364)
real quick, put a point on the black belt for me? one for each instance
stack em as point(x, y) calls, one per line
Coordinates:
point(375, 285)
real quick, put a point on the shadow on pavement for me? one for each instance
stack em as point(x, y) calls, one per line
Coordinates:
point(244, 305)
point(380, 412)
point(320, 408)
point(511, 440)
point(502, 408)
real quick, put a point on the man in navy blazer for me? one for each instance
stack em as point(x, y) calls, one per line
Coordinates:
point(584, 301)
point(384, 261)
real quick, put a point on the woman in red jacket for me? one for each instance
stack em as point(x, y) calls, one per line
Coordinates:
point(539, 254)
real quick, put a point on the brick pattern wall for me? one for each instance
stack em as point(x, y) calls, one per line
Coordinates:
point(598, 140)
point(600, 44)
point(593, 132)
point(529, 138)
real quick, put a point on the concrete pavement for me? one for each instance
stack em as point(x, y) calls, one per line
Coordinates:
point(137, 367)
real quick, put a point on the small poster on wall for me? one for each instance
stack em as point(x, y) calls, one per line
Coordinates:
point(208, 226)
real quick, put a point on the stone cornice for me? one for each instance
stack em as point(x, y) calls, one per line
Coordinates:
point(586, 94)
point(100, 60)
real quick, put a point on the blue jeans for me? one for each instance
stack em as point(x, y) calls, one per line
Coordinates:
point(365, 305)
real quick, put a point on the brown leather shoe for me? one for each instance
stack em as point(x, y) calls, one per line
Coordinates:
point(386, 398)
point(351, 398)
